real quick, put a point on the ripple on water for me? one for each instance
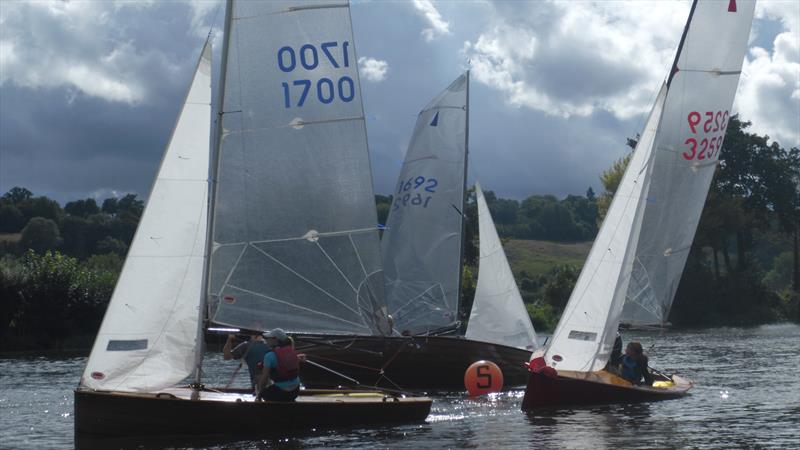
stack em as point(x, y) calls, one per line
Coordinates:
point(756, 368)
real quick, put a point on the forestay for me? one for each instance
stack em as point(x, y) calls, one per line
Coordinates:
point(148, 338)
point(294, 228)
point(422, 242)
point(498, 312)
point(585, 334)
point(701, 91)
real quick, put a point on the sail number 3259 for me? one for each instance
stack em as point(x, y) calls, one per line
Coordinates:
point(711, 125)
point(308, 58)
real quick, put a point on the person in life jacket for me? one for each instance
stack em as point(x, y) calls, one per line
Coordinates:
point(279, 380)
point(250, 351)
point(633, 365)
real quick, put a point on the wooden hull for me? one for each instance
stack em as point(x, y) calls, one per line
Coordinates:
point(234, 413)
point(432, 363)
point(582, 388)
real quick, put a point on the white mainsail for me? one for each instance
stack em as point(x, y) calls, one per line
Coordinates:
point(498, 312)
point(701, 90)
point(148, 338)
point(422, 242)
point(677, 152)
point(295, 242)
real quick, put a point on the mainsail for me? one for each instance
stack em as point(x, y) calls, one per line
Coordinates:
point(701, 90)
point(148, 338)
point(671, 168)
point(295, 242)
point(422, 243)
point(498, 312)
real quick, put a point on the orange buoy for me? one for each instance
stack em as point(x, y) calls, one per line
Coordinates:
point(483, 377)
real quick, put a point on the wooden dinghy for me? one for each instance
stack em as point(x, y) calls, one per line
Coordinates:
point(635, 265)
point(433, 363)
point(548, 388)
point(173, 411)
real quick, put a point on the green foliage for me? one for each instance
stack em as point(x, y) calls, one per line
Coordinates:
point(82, 208)
point(779, 278)
point(17, 195)
point(110, 245)
point(383, 204)
point(12, 280)
point(11, 219)
point(610, 179)
point(59, 298)
point(40, 235)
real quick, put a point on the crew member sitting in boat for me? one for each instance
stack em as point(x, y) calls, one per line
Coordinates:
point(633, 365)
point(251, 352)
point(279, 379)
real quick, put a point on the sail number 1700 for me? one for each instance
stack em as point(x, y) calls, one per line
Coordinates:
point(308, 58)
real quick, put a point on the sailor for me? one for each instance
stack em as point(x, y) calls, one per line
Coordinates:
point(633, 365)
point(279, 380)
point(251, 351)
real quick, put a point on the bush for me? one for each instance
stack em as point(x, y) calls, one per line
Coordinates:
point(40, 235)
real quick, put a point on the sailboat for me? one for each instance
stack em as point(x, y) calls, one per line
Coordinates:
point(422, 250)
point(652, 219)
point(151, 338)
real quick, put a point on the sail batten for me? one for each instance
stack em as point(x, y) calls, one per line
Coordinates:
point(421, 245)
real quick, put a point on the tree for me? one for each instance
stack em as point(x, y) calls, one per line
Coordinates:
point(40, 235)
point(40, 207)
point(610, 179)
point(11, 219)
point(82, 208)
point(17, 195)
point(129, 203)
point(110, 206)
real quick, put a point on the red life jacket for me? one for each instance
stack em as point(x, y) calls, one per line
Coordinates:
point(288, 364)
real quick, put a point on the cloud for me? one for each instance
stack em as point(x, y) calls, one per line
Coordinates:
point(574, 58)
point(437, 25)
point(769, 89)
point(89, 48)
point(373, 69)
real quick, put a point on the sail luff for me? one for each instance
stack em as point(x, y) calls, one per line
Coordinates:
point(148, 338)
point(463, 205)
point(582, 338)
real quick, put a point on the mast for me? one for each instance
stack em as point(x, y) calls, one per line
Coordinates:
point(675, 69)
point(213, 166)
point(463, 206)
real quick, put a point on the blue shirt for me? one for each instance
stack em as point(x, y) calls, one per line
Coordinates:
point(253, 353)
point(271, 362)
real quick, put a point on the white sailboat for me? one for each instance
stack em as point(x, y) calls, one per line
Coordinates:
point(652, 219)
point(498, 313)
point(266, 233)
point(422, 256)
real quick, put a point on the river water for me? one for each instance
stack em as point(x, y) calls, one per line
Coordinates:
point(747, 395)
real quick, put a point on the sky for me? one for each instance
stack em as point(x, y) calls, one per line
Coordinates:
point(90, 90)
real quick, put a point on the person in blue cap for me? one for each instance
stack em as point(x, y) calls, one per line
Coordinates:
point(279, 380)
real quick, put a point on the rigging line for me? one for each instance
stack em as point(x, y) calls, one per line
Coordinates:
point(418, 296)
point(257, 294)
point(364, 271)
point(336, 267)
point(305, 279)
point(347, 363)
point(233, 269)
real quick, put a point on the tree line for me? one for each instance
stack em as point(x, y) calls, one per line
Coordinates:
point(58, 266)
